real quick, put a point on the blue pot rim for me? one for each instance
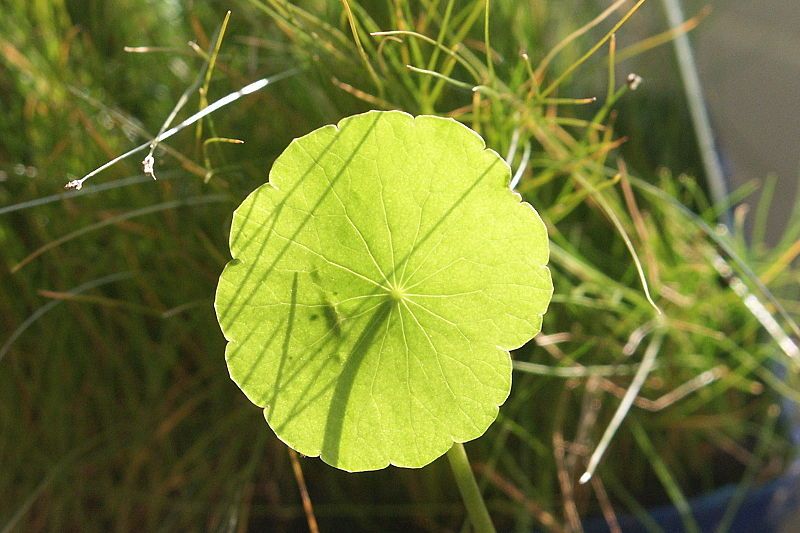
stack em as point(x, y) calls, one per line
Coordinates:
point(765, 508)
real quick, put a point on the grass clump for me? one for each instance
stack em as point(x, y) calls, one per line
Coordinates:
point(115, 407)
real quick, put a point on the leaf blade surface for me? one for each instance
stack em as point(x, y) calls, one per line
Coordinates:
point(379, 280)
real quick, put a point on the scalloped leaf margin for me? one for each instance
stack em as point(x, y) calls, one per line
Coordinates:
point(379, 281)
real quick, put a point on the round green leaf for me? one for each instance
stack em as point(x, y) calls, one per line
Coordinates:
point(378, 282)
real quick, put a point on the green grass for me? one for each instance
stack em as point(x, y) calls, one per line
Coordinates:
point(116, 410)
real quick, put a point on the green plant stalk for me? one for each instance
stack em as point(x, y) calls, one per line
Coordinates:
point(443, 28)
point(211, 63)
point(697, 107)
point(468, 486)
point(629, 500)
point(765, 439)
point(667, 481)
point(554, 85)
point(486, 42)
point(354, 28)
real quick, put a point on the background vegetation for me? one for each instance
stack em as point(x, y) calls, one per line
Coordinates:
point(116, 410)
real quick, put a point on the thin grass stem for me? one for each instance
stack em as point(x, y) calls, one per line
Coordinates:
point(554, 85)
point(308, 508)
point(665, 477)
point(523, 165)
point(662, 38)
point(765, 438)
point(116, 184)
point(36, 315)
point(697, 106)
point(571, 372)
point(196, 200)
point(203, 91)
point(648, 361)
point(438, 47)
point(544, 63)
point(626, 239)
point(361, 52)
point(448, 79)
point(222, 102)
point(487, 42)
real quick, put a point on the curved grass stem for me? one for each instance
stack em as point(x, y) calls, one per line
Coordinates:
point(648, 361)
point(222, 102)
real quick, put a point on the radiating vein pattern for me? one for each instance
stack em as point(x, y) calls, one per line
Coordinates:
point(379, 281)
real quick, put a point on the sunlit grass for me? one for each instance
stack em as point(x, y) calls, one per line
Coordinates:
point(116, 410)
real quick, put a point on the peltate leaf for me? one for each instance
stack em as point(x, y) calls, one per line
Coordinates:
point(378, 282)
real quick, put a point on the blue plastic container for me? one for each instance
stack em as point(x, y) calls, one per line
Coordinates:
point(770, 508)
point(773, 507)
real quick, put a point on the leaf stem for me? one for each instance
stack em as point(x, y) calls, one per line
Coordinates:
point(468, 486)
